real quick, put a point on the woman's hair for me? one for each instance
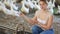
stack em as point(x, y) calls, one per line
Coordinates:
point(43, 1)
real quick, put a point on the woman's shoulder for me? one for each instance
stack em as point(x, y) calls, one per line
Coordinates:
point(50, 14)
point(38, 11)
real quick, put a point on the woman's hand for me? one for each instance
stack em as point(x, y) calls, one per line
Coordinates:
point(35, 21)
point(22, 15)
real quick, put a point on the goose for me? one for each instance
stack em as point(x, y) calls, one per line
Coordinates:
point(24, 9)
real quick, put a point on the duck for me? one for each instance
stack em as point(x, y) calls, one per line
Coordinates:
point(1, 5)
point(10, 11)
point(53, 3)
point(37, 6)
point(50, 6)
point(30, 4)
point(49, 3)
point(24, 9)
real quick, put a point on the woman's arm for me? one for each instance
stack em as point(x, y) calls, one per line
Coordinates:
point(31, 21)
point(48, 24)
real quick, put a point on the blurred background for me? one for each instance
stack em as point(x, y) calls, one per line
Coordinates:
point(12, 23)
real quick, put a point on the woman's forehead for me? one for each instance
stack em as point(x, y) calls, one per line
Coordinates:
point(41, 2)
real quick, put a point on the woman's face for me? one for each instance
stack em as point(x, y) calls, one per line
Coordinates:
point(43, 5)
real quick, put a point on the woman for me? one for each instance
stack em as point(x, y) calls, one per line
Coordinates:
point(42, 20)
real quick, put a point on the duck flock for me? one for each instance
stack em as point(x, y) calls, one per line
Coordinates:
point(9, 8)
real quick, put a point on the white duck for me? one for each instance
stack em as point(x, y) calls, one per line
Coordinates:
point(53, 3)
point(24, 9)
point(10, 12)
point(50, 6)
point(37, 6)
point(5, 9)
point(13, 6)
point(10, 3)
point(1, 5)
point(29, 3)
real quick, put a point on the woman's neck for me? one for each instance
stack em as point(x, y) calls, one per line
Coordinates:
point(45, 10)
